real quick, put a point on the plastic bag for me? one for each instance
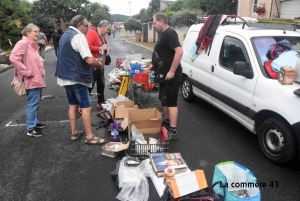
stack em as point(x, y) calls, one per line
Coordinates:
point(137, 135)
point(237, 181)
point(120, 97)
point(192, 53)
point(133, 181)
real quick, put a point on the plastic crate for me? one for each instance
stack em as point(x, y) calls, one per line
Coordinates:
point(136, 65)
point(141, 77)
point(142, 151)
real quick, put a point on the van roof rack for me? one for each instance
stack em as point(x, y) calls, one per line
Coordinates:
point(262, 25)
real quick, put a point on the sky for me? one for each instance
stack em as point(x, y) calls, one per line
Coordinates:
point(124, 7)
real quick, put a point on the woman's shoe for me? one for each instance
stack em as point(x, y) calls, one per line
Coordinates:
point(99, 107)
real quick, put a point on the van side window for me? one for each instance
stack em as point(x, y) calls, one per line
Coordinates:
point(231, 52)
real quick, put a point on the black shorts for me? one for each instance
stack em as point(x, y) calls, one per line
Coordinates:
point(168, 94)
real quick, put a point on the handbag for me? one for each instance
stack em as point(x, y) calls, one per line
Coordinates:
point(107, 60)
point(41, 42)
point(17, 85)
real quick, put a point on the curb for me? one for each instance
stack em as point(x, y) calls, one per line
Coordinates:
point(5, 67)
point(137, 44)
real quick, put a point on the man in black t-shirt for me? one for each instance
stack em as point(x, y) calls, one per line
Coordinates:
point(167, 70)
point(55, 38)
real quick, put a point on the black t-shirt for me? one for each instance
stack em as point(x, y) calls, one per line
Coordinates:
point(163, 56)
point(55, 37)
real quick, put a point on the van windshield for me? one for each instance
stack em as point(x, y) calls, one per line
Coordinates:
point(269, 48)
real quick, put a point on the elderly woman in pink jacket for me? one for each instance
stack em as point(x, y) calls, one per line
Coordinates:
point(34, 75)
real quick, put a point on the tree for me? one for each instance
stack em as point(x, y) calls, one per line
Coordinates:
point(133, 25)
point(153, 8)
point(100, 14)
point(219, 6)
point(60, 9)
point(183, 18)
point(44, 23)
point(13, 19)
point(191, 4)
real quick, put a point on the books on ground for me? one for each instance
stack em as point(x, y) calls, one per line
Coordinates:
point(160, 161)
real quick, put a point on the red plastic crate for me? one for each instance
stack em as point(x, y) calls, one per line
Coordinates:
point(141, 77)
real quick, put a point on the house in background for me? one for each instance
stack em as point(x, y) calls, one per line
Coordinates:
point(287, 9)
point(165, 4)
point(149, 35)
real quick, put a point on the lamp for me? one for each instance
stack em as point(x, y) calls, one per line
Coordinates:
point(130, 8)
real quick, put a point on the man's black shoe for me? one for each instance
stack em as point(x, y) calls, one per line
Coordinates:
point(40, 125)
point(34, 133)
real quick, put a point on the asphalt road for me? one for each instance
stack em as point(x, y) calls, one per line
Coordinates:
point(55, 168)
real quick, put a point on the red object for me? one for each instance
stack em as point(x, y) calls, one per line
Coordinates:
point(148, 86)
point(269, 70)
point(163, 136)
point(93, 40)
point(259, 13)
point(141, 77)
point(119, 62)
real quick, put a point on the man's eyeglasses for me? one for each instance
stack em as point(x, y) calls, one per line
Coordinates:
point(86, 25)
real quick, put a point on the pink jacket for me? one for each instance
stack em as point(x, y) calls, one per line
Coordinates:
point(34, 65)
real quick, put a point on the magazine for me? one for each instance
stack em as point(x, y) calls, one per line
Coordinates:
point(161, 161)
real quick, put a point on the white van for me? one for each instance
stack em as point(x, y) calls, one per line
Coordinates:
point(231, 76)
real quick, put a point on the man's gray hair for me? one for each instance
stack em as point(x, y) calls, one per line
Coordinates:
point(103, 23)
point(29, 28)
point(78, 19)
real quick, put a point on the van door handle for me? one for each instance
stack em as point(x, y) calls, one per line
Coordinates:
point(212, 68)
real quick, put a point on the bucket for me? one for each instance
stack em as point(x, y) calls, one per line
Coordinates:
point(152, 78)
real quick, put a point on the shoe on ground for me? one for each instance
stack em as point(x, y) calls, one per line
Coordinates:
point(34, 133)
point(99, 107)
point(173, 135)
point(40, 125)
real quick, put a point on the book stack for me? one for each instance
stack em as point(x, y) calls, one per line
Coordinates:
point(160, 161)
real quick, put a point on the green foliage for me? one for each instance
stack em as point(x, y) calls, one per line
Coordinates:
point(26, 5)
point(219, 6)
point(64, 9)
point(146, 15)
point(177, 6)
point(13, 19)
point(120, 18)
point(183, 18)
point(44, 23)
point(191, 4)
point(100, 14)
point(133, 25)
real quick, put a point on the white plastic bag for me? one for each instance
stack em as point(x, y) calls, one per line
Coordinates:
point(133, 181)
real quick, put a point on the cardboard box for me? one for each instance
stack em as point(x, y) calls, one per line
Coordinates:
point(286, 75)
point(112, 149)
point(187, 183)
point(118, 112)
point(147, 121)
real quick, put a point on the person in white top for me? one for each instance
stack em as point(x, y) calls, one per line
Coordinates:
point(74, 72)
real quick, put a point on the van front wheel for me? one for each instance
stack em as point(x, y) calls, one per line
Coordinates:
point(186, 89)
point(277, 140)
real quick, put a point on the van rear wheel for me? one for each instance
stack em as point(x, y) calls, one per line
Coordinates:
point(186, 89)
point(277, 140)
